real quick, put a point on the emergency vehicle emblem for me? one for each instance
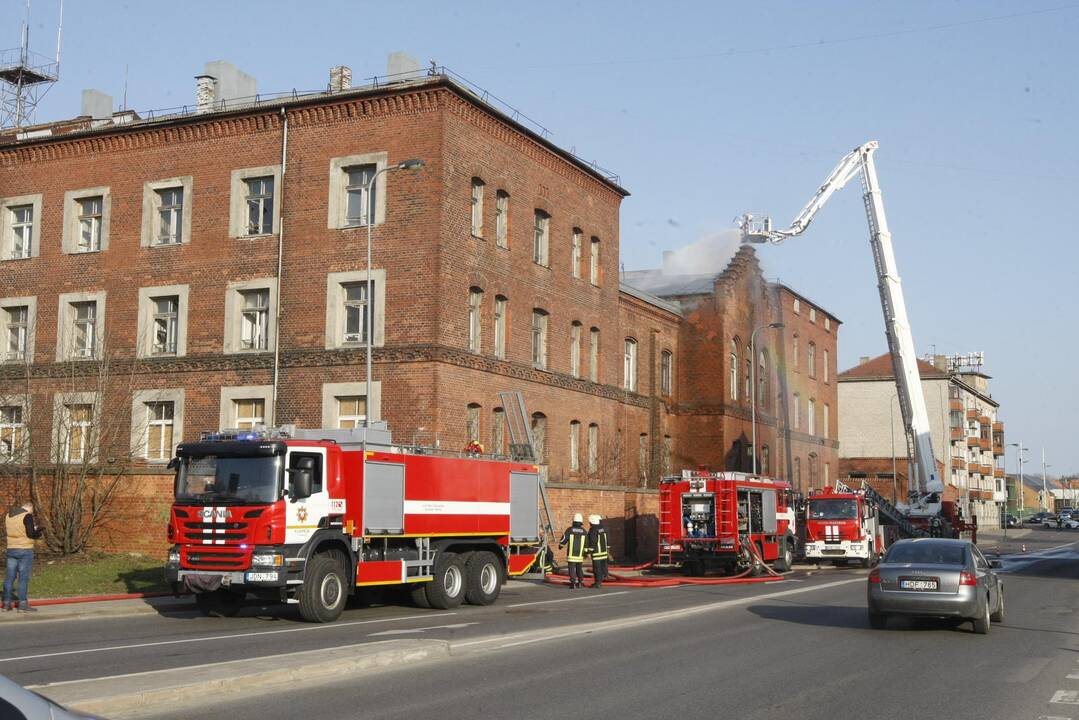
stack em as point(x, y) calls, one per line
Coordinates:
point(301, 513)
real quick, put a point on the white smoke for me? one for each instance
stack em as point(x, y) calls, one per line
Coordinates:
point(707, 256)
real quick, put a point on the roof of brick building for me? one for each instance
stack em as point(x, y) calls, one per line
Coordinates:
point(880, 368)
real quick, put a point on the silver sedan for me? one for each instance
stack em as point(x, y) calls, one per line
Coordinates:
point(934, 577)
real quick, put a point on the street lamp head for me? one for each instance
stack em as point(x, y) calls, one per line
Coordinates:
point(414, 164)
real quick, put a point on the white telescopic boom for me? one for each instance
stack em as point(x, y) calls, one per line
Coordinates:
point(927, 485)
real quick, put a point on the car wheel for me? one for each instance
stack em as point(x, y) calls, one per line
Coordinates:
point(998, 616)
point(981, 624)
point(877, 621)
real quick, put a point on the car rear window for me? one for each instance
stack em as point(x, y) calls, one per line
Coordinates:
point(927, 553)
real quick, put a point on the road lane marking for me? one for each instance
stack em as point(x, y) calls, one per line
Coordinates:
point(578, 630)
point(1066, 697)
point(158, 643)
point(407, 631)
point(562, 600)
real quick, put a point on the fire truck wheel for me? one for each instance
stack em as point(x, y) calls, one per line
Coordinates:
point(871, 560)
point(325, 589)
point(785, 560)
point(483, 575)
point(447, 590)
point(219, 603)
point(418, 593)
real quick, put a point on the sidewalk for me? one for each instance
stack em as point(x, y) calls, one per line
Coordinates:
point(1023, 540)
point(103, 609)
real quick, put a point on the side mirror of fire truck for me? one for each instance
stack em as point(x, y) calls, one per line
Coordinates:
point(173, 464)
point(301, 477)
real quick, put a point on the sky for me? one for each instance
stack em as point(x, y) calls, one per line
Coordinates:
point(707, 110)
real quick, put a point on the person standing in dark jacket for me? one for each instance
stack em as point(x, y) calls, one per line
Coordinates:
point(599, 548)
point(21, 534)
point(576, 538)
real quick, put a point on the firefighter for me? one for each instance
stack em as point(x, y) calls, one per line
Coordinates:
point(547, 565)
point(576, 538)
point(598, 547)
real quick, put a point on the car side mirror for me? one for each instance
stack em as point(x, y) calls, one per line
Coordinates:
point(996, 564)
point(301, 479)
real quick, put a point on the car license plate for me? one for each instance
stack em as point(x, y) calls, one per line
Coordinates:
point(930, 584)
point(261, 576)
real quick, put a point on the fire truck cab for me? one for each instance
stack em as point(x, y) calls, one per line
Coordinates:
point(841, 525)
point(727, 520)
point(306, 517)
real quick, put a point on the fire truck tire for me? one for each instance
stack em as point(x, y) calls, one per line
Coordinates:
point(877, 621)
point(981, 624)
point(418, 593)
point(483, 578)
point(447, 590)
point(871, 560)
point(219, 603)
point(785, 560)
point(325, 588)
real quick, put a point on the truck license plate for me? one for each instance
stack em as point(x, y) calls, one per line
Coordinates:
point(919, 584)
point(261, 576)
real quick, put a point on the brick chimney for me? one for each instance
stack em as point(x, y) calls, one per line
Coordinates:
point(340, 78)
point(205, 90)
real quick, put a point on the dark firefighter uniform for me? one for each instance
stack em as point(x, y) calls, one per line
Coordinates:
point(575, 539)
point(598, 547)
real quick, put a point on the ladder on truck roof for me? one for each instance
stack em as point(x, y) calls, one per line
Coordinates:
point(890, 511)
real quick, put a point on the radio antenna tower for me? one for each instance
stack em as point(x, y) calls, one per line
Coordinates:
point(26, 76)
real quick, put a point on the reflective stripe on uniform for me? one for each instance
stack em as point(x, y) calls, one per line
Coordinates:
point(600, 551)
point(575, 553)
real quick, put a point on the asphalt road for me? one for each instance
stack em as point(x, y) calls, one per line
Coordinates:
point(797, 649)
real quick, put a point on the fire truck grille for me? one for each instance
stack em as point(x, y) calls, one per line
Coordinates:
point(213, 536)
point(217, 533)
point(217, 559)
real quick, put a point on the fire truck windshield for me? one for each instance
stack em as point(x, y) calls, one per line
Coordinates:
point(833, 509)
point(228, 479)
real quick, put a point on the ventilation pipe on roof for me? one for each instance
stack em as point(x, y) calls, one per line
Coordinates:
point(340, 78)
point(205, 90)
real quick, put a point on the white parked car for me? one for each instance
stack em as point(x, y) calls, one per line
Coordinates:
point(1067, 522)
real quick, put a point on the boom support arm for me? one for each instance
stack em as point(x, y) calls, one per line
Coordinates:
point(927, 486)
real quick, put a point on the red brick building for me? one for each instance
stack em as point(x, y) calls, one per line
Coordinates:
point(214, 264)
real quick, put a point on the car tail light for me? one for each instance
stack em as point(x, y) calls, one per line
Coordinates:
point(874, 575)
point(966, 578)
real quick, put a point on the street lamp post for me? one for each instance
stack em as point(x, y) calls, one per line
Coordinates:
point(753, 384)
point(1019, 458)
point(370, 332)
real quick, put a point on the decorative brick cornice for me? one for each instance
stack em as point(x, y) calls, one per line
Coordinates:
point(301, 358)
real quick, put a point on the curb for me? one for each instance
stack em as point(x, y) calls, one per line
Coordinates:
point(136, 694)
point(101, 598)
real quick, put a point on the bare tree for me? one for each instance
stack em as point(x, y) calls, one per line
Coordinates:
point(66, 441)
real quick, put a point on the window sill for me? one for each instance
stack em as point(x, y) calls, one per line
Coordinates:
point(256, 236)
point(357, 226)
point(14, 259)
point(541, 265)
point(248, 351)
point(161, 356)
point(477, 237)
point(85, 252)
point(165, 245)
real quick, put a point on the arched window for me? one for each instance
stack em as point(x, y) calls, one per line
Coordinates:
point(733, 380)
point(827, 361)
point(796, 411)
point(629, 365)
point(540, 238)
point(814, 472)
point(539, 436)
point(575, 252)
point(593, 262)
point(575, 349)
point(766, 456)
point(666, 361)
point(498, 431)
point(502, 218)
point(762, 380)
point(472, 422)
point(824, 428)
point(749, 376)
point(477, 207)
point(642, 459)
point(811, 359)
point(794, 350)
point(593, 354)
point(539, 338)
point(593, 448)
point(811, 417)
point(501, 305)
point(475, 306)
point(574, 446)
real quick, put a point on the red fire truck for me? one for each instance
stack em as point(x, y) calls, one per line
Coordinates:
point(308, 516)
point(841, 525)
point(713, 520)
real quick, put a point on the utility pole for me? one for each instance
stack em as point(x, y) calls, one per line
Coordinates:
point(1045, 490)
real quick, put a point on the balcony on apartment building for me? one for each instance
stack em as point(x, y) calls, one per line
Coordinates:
point(959, 463)
point(972, 414)
point(955, 404)
point(998, 439)
point(985, 443)
point(957, 433)
point(998, 473)
point(974, 442)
